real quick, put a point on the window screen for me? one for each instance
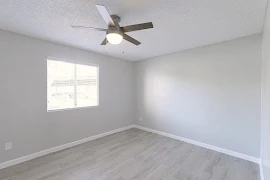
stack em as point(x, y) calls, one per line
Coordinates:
point(71, 85)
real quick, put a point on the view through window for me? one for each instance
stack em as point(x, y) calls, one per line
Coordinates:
point(71, 85)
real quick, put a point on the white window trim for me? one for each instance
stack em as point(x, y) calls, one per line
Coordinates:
point(74, 62)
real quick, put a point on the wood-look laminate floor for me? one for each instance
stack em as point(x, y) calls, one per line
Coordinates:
point(132, 155)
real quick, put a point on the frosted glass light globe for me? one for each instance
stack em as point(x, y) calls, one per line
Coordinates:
point(114, 38)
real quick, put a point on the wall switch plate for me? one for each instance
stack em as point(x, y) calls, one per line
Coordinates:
point(141, 119)
point(8, 146)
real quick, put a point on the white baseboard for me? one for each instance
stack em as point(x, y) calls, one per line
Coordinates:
point(261, 171)
point(59, 148)
point(208, 146)
point(75, 143)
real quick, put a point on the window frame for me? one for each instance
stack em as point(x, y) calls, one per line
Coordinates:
point(74, 62)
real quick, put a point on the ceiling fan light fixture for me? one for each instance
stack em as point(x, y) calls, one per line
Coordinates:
point(115, 33)
point(114, 38)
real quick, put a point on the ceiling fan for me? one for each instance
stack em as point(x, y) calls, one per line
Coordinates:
point(114, 33)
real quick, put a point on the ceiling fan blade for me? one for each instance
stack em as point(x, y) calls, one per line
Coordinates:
point(84, 27)
point(131, 40)
point(106, 16)
point(104, 42)
point(137, 27)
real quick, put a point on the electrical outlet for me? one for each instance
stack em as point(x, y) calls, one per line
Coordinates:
point(141, 119)
point(8, 146)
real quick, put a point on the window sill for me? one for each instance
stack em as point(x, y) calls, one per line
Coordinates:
point(69, 109)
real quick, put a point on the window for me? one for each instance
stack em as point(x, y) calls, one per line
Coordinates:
point(71, 85)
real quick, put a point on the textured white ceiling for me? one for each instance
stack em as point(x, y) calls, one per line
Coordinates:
point(178, 24)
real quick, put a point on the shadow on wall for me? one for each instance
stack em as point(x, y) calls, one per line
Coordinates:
point(203, 100)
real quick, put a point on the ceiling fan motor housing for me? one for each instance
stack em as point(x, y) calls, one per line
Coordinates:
point(114, 30)
point(116, 19)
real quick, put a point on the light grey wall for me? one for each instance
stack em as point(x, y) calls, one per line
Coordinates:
point(265, 136)
point(24, 119)
point(209, 94)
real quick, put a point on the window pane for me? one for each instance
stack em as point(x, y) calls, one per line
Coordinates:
point(87, 85)
point(60, 85)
